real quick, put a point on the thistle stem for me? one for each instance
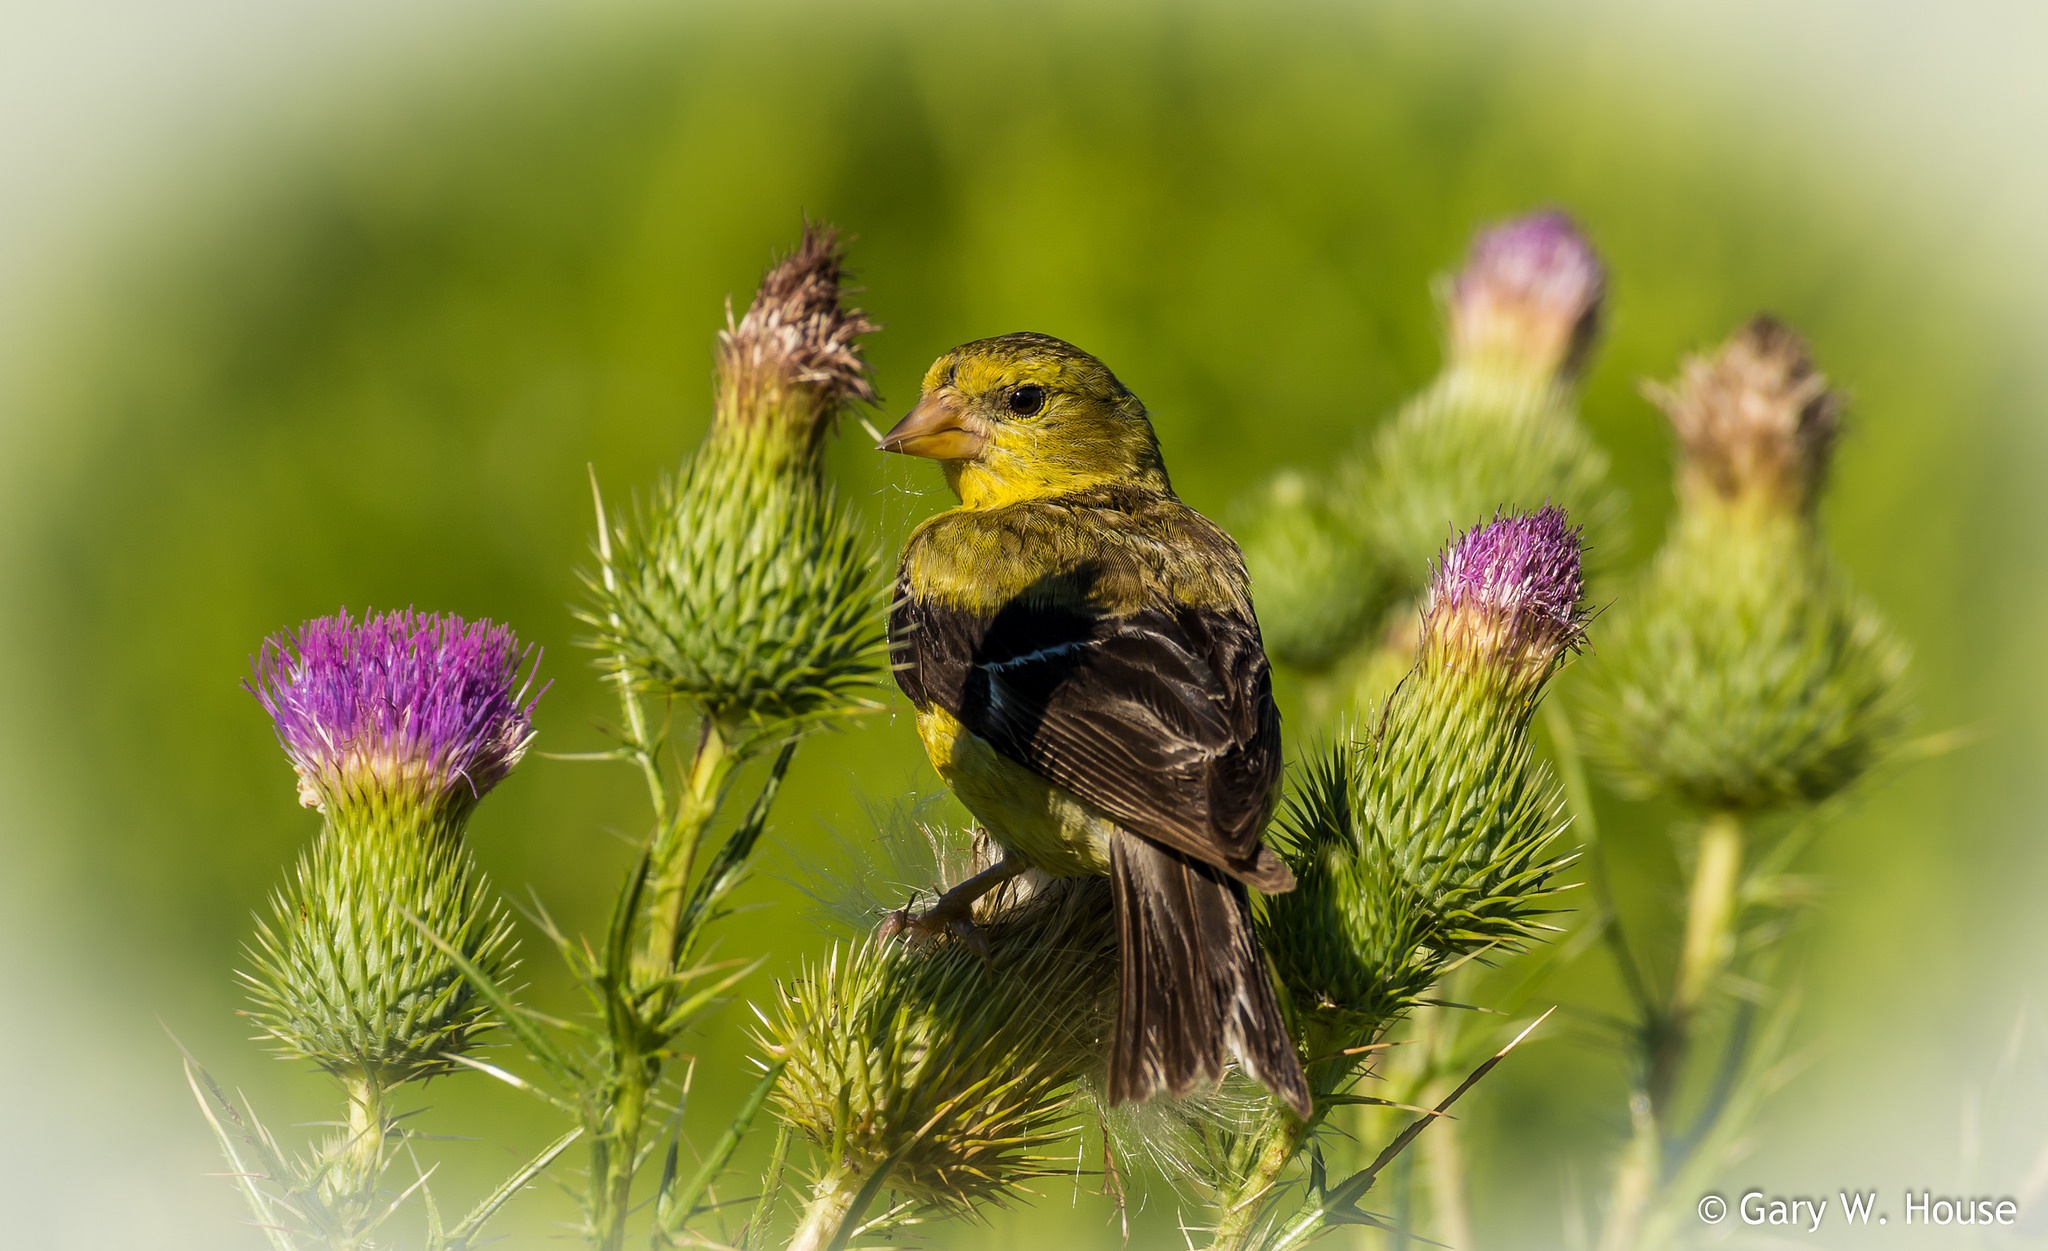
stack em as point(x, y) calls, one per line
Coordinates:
point(615, 1154)
point(1709, 935)
point(1443, 1159)
point(1635, 1180)
point(1236, 1222)
point(1708, 946)
point(676, 844)
point(361, 1161)
point(831, 1210)
point(615, 1144)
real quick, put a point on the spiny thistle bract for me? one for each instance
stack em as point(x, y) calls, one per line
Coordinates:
point(1428, 841)
point(744, 587)
point(950, 1067)
point(397, 725)
point(1745, 673)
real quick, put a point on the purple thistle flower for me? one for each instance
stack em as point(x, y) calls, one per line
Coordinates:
point(400, 704)
point(1509, 590)
point(1530, 292)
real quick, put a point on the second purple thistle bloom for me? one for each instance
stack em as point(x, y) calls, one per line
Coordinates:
point(404, 705)
point(1532, 288)
point(1520, 575)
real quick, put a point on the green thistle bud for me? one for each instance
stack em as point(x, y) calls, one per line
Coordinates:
point(1429, 841)
point(745, 587)
point(1498, 427)
point(947, 1068)
point(1319, 585)
point(1745, 673)
point(397, 726)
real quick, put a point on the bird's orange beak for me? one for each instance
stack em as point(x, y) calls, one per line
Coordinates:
point(936, 428)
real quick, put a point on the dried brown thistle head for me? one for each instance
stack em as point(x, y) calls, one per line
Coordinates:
point(790, 365)
point(1754, 419)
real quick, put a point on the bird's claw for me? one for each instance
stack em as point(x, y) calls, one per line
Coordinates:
point(934, 923)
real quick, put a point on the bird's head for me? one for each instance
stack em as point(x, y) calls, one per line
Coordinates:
point(1026, 416)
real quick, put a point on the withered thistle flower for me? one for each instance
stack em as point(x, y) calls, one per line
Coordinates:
point(1754, 421)
point(1428, 840)
point(397, 725)
point(1745, 673)
point(949, 1067)
point(790, 366)
point(744, 587)
point(1499, 426)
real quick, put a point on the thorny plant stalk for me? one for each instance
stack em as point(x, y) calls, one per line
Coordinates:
point(830, 1218)
point(1275, 1143)
point(743, 597)
point(1433, 1040)
point(1709, 935)
point(1414, 849)
point(1745, 679)
point(680, 823)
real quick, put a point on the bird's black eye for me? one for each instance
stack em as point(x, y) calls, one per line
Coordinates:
point(1026, 400)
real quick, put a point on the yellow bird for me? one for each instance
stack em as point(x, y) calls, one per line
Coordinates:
point(1086, 667)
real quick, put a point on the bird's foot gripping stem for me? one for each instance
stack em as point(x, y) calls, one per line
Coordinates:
point(953, 913)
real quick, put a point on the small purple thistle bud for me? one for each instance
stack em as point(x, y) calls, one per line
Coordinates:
point(1508, 592)
point(1755, 416)
point(793, 361)
point(422, 708)
point(1528, 297)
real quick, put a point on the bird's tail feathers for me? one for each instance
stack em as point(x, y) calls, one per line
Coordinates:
point(1193, 989)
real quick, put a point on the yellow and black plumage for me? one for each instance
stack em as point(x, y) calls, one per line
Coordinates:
point(1088, 676)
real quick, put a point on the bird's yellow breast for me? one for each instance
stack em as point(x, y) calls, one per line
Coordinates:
point(1048, 826)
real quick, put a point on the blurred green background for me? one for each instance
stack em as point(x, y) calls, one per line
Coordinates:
point(362, 353)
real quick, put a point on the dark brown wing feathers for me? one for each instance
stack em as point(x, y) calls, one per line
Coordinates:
point(1162, 719)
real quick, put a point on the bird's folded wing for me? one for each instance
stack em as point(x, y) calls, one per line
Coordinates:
point(1163, 719)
